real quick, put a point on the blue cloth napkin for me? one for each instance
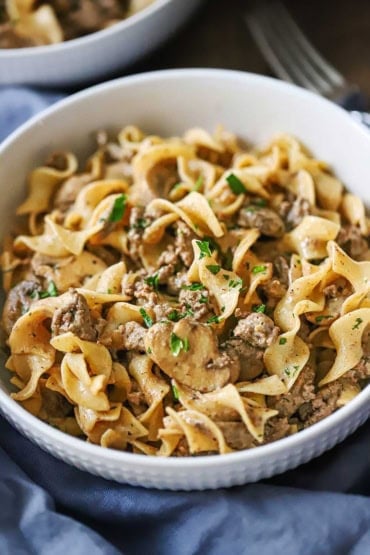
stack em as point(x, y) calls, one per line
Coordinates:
point(50, 508)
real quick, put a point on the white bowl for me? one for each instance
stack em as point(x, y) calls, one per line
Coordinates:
point(94, 56)
point(169, 102)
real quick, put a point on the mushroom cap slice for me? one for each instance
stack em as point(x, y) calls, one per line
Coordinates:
point(194, 364)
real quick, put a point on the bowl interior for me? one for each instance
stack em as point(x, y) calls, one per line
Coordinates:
point(168, 103)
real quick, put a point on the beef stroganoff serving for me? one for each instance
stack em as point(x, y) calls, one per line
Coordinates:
point(187, 296)
point(25, 23)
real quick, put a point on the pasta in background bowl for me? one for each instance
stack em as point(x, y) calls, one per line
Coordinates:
point(233, 317)
point(25, 24)
point(60, 45)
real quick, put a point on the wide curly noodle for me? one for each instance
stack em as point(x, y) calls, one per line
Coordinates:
point(25, 23)
point(187, 296)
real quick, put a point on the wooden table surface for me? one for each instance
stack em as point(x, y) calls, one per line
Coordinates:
point(217, 36)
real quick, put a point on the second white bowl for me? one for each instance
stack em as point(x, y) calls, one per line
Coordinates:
point(93, 57)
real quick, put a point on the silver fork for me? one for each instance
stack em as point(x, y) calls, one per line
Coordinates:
point(293, 58)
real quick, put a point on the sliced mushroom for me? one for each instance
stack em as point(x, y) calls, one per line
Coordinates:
point(195, 361)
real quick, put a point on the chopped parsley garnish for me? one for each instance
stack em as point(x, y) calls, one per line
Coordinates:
point(175, 393)
point(109, 291)
point(175, 315)
point(235, 184)
point(236, 283)
point(198, 184)
point(357, 324)
point(259, 308)
point(213, 268)
point(260, 202)
point(147, 319)
point(225, 276)
point(323, 317)
point(258, 269)
point(204, 248)
point(51, 291)
point(188, 311)
point(149, 351)
point(194, 287)
point(141, 223)
point(203, 299)
point(282, 340)
point(288, 371)
point(213, 320)
point(118, 209)
point(177, 344)
point(152, 281)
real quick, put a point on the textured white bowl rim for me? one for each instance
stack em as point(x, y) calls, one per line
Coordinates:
point(11, 53)
point(95, 452)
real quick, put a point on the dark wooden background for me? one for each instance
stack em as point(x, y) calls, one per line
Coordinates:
point(217, 36)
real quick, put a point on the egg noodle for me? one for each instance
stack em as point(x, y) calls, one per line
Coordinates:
point(25, 23)
point(187, 296)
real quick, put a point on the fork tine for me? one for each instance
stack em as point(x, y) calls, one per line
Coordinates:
point(297, 59)
point(310, 52)
point(287, 50)
point(263, 43)
point(275, 51)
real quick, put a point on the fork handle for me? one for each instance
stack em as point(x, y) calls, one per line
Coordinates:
point(361, 117)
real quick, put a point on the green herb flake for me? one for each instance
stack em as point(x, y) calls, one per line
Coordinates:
point(357, 324)
point(149, 351)
point(141, 223)
point(109, 291)
point(259, 308)
point(175, 315)
point(235, 184)
point(236, 283)
point(198, 184)
point(203, 299)
point(261, 202)
point(186, 345)
point(175, 392)
point(118, 209)
point(194, 287)
point(290, 372)
point(177, 344)
point(147, 319)
point(213, 320)
point(35, 295)
point(152, 281)
point(225, 276)
point(204, 248)
point(213, 268)
point(322, 317)
point(259, 269)
point(188, 312)
point(51, 291)
point(282, 340)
